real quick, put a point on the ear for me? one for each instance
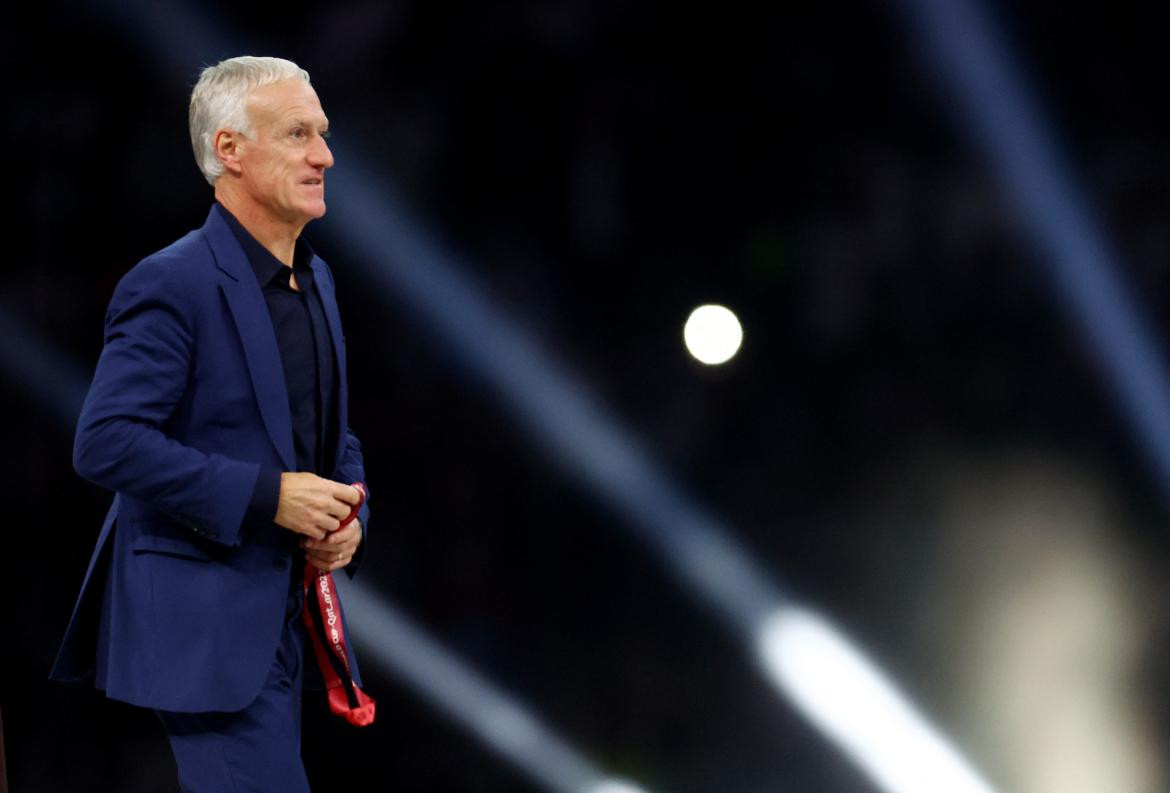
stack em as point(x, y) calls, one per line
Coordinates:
point(228, 144)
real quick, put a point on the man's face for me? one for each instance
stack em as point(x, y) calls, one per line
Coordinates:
point(283, 162)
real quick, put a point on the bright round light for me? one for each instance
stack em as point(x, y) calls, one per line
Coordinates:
point(713, 334)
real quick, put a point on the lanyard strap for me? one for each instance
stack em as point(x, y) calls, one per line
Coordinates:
point(327, 634)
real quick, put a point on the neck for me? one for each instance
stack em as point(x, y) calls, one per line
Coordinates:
point(278, 236)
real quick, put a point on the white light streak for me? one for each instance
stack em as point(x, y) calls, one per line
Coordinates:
point(615, 786)
point(501, 722)
point(840, 690)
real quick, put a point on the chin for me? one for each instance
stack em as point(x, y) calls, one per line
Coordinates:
point(313, 211)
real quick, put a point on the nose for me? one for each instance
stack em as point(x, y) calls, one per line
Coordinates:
point(319, 154)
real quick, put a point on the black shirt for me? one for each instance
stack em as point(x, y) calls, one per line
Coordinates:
point(306, 353)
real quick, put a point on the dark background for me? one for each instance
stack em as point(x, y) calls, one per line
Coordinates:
point(908, 378)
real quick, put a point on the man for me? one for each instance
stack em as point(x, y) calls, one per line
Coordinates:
point(218, 416)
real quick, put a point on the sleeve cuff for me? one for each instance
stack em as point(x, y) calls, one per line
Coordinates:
point(265, 497)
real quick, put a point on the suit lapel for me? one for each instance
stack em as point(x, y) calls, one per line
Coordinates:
point(324, 282)
point(254, 325)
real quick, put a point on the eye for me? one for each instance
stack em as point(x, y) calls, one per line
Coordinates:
point(326, 134)
point(297, 132)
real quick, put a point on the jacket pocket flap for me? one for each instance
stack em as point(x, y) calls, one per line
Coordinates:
point(153, 543)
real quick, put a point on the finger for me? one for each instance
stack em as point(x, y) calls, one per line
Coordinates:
point(337, 509)
point(335, 539)
point(330, 554)
point(329, 525)
point(313, 532)
point(318, 556)
point(323, 556)
point(342, 535)
point(328, 561)
point(345, 534)
point(324, 566)
point(326, 551)
point(347, 493)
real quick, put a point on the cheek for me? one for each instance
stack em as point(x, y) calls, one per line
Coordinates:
point(266, 176)
point(288, 177)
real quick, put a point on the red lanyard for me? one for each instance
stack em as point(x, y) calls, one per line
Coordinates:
point(327, 633)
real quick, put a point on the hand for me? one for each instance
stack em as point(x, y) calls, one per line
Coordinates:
point(337, 549)
point(313, 506)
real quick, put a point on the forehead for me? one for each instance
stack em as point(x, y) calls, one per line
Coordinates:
point(283, 100)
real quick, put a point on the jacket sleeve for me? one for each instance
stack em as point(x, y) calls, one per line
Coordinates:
point(142, 376)
point(349, 470)
point(350, 465)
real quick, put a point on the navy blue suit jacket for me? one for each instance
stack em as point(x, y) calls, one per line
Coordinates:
point(184, 599)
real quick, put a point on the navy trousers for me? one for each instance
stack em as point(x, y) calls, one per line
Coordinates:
point(257, 749)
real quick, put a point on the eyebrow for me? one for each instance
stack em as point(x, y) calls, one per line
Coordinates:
point(300, 122)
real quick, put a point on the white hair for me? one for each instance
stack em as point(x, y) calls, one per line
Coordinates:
point(217, 102)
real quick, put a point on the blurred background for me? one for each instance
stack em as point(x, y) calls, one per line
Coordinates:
point(920, 438)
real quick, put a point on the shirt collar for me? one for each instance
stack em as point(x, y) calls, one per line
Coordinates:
point(264, 264)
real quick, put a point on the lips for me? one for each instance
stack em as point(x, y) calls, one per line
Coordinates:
point(313, 181)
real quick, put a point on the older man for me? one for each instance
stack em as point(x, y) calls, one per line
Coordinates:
point(218, 416)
